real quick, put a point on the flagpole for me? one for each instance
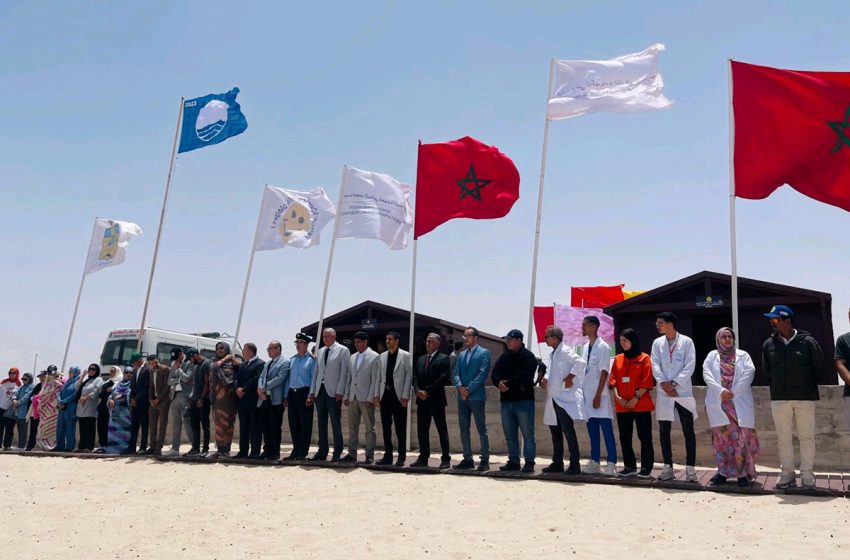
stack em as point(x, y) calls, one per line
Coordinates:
point(248, 273)
point(76, 305)
point(330, 257)
point(733, 235)
point(412, 324)
point(161, 221)
point(540, 202)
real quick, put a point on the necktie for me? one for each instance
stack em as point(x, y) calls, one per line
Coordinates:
point(327, 351)
point(468, 356)
point(428, 361)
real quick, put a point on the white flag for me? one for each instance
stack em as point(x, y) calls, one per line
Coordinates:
point(293, 218)
point(626, 84)
point(375, 206)
point(109, 240)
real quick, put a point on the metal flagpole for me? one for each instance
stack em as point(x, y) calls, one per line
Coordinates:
point(248, 274)
point(161, 222)
point(76, 305)
point(35, 366)
point(733, 236)
point(412, 324)
point(330, 258)
point(540, 202)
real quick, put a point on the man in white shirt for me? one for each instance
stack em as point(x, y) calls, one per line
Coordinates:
point(359, 397)
point(673, 359)
point(597, 400)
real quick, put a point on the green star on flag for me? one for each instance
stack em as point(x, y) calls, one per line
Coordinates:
point(475, 191)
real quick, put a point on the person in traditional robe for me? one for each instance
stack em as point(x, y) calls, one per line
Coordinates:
point(120, 414)
point(222, 388)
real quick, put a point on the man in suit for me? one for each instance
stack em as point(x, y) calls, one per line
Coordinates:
point(271, 387)
point(429, 379)
point(359, 397)
point(469, 375)
point(160, 402)
point(140, 404)
point(328, 390)
point(393, 396)
point(247, 378)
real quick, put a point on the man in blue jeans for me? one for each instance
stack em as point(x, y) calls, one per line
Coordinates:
point(513, 375)
point(468, 376)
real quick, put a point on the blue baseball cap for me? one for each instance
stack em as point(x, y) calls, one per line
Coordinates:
point(780, 312)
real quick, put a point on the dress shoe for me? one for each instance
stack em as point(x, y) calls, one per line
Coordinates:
point(192, 453)
point(465, 465)
point(241, 456)
point(385, 460)
point(743, 482)
point(348, 459)
point(368, 461)
point(318, 457)
point(289, 458)
point(254, 457)
point(483, 466)
point(573, 469)
point(400, 462)
point(528, 467)
point(335, 459)
point(554, 468)
point(419, 463)
point(510, 466)
point(717, 480)
point(445, 464)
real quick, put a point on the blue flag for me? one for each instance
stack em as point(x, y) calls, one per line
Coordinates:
point(211, 119)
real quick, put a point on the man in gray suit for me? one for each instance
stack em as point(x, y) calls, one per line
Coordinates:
point(327, 391)
point(360, 396)
point(393, 396)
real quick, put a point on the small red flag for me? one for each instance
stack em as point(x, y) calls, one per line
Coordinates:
point(543, 317)
point(462, 179)
point(792, 127)
point(596, 296)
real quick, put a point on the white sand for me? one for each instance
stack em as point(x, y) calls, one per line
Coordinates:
point(126, 508)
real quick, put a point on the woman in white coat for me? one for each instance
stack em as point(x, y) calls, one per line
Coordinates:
point(728, 373)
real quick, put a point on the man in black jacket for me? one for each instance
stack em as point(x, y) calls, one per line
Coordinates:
point(794, 363)
point(246, 394)
point(513, 375)
point(140, 404)
point(430, 376)
point(199, 411)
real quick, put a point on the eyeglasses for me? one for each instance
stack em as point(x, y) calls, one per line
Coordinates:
point(727, 336)
point(92, 369)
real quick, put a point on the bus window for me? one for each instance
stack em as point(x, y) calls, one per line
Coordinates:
point(117, 352)
point(209, 354)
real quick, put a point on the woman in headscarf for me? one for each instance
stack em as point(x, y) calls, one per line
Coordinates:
point(728, 374)
point(8, 388)
point(109, 380)
point(66, 431)
point(222, 377)
point(631, 379)
point(88, 389)
point(33, 413)
point(48, 409)
point(21, 405)
point(120, 414)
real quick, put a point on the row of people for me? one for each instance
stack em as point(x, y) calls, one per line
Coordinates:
point(589, 387)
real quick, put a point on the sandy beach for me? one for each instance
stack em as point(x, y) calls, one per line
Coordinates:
point(140, 508)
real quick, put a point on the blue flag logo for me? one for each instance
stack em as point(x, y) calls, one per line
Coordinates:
point(211, 119)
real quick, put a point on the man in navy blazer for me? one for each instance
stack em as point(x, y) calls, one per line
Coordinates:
point(247, 378)
point(470, 372)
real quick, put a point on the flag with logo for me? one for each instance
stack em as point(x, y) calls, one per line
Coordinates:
point(211, 119)
point(463, 178)
point(793, 128)
point(570, 318)
point(292, 218)
point(109, 240)
point(626, 84)
point(375, 206)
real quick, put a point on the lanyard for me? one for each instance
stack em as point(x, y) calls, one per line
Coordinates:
point(672, 348)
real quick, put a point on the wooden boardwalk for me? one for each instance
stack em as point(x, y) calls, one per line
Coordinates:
point(827, 485)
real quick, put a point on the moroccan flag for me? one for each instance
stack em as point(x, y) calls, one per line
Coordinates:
point(543, 318)
point(792, 128)
point(596, 296)
point(462, 179)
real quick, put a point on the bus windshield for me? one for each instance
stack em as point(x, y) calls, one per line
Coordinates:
point(117, 352)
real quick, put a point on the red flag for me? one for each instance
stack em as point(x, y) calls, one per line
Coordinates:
point(543, 317)
point(596, 296)
point(462, 179)
point(792, 127)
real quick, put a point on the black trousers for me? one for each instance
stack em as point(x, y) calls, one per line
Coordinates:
point(664, 427)
point(567, 428)
point(250, 433)
point(139, 421)
point(271, 420)
point(626, 422)
point(300, 421)
point(103, 427)
point(200, 419)
point(425, 411)
point(7, 430)
point(328, 407)
point(88, 427)
point(33, 431)
point(393, 413)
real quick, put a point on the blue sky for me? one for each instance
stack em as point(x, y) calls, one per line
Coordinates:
point(91, 100)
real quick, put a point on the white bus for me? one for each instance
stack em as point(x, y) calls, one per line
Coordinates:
point(121, 343)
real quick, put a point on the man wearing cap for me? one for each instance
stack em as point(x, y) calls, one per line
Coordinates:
point(794, 363)
point(842, 366)
point(247, 378)
point(327, 390)
point(430, 376)
point(301, 368)
point(180, 381)
point(139, 403)
point(271, 388)
point(199, 411)
point(160, 399)
point(470, 373)
point(513, 375)
point(393, 396)
point(360, 396)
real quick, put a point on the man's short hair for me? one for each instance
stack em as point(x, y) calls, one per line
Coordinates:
point(668, 317)
point(333, 331)
point(361, 335)
point(151, 357)
point(251, 346)
point(473, 329)
point(555, 331)
point(394, 334)
point(434, 335)
point(592, 319)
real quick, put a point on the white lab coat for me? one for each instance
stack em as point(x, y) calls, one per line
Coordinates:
point(564, 362)
point(600, 359)
point(677, 367)
point(741, 388)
